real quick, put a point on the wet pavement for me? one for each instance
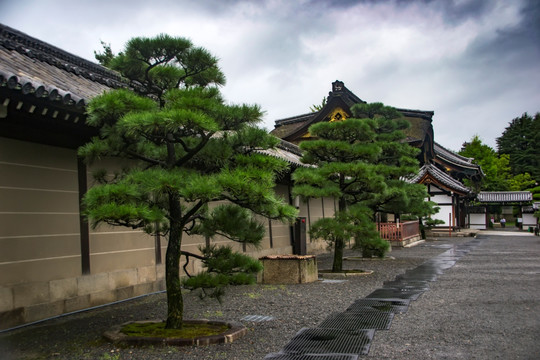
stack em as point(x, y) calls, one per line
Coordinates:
point(451, 298)
point(487, 307)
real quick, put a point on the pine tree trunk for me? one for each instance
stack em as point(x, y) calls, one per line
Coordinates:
point(337, 266)
point(339, 244)
point(175, 302)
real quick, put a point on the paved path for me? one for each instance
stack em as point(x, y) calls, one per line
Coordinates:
point(487, 306)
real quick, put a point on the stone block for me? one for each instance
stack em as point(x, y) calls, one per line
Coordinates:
point(63, 289)
point(77, 303)
point(289, 269)
point(146, 274)
point(122, 278)
point(102, 297)
point(160, 285)
point(43, 311)
point(160, 272)
point(12, 318)
point(30, 294)
point(89, 284)
point(125, 293)
point(143, 289)
point(6, 299)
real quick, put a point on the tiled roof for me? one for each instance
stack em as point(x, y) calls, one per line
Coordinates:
point(430, 170)
point(288, 126)
point(454, 158)
point(504, 196)
point(34, 67)
point(288, 152)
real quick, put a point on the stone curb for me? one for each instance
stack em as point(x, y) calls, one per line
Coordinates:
point(236, 331)
point(343, 275)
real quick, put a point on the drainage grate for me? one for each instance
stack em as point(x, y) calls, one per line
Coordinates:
point(386, 305)
point(417, 276)
point(257, 318)
point(282, 356)
point(330, 341)
point(407, 285)
point(367, 318)
point(389, 293)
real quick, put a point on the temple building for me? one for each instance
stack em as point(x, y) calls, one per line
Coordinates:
point(442, 170)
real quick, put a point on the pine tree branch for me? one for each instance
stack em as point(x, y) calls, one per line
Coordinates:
point(145, 158)
point(192, 152)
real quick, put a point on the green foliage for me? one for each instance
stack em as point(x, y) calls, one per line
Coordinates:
point(360, 161)
point(233, 222)
point(183, 148)
point(223, 267)
point(106, 56)
point(496, 167)
point(374, 248)
point(521, 141)
point(430, 223)
point(319, 107)
point(521, 182)
point(163, 63)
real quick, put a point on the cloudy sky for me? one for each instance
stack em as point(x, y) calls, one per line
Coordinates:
point(475, 63)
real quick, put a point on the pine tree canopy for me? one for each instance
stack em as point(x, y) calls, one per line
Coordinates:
point(192, 162)
point(521, 141)
point(362, 162)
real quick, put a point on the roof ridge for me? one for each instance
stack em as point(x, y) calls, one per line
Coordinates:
point(295, 118)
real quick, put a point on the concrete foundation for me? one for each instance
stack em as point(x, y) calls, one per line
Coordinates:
point(288, 269)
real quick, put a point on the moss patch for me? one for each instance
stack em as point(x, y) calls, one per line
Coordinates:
point(188, 331)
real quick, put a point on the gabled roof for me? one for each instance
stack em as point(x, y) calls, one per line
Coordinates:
point(504, 196)
point(429, 173)
point(292, 128)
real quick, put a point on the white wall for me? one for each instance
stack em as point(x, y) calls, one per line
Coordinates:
point(478, 221)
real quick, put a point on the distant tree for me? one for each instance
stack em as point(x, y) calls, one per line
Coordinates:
point(106, 56)
point(521, 182)
point(187, 148)
point(521, 141)
point(495, 167)
point(361, 162)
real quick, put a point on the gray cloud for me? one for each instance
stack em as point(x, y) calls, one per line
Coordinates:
point(474, 62)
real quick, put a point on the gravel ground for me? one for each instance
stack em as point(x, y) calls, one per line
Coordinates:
point(485, 307)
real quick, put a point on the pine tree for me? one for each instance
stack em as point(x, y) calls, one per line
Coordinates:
point(362, 162)
point(521, 141)
point(186, 148)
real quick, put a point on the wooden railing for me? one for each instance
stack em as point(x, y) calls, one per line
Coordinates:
point(399, 231)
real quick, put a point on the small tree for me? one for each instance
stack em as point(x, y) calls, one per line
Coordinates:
point(187, 148)
point(361, 162)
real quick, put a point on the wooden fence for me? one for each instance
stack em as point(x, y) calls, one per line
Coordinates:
point(399, 231)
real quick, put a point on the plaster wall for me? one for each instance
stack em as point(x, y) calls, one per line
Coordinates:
point(478, 221)
point(40, 244)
